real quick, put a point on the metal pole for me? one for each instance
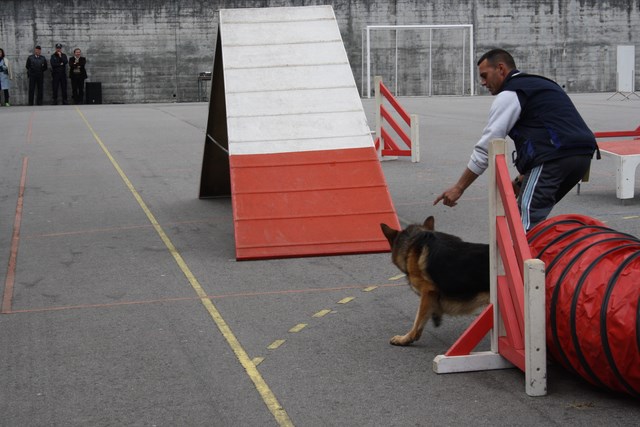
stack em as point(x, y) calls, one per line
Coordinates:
point(368, 63)
point(430, 81)
point(396, 65)
point(362, 63)
point(464, 40)
point(471, 79)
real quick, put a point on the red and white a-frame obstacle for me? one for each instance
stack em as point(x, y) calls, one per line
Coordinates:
point(288, 140)
point(515, 318)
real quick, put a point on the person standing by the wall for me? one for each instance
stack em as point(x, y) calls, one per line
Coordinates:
point(36, 66)
point(58, 73)
point(77, 74)
point(5, 76)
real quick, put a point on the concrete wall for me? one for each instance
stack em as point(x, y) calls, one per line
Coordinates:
point(153, 51)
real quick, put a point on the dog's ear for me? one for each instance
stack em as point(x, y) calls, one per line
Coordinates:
point(429, 223)
point(389, 233)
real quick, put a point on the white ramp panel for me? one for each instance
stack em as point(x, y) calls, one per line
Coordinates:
point(305, 179)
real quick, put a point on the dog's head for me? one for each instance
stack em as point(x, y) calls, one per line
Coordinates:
point(401, 240)
point(392, 234)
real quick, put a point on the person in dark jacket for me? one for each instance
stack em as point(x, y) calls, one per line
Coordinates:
point(77, 74)
point(59, 63)
point(553, 144)
point(36, 66)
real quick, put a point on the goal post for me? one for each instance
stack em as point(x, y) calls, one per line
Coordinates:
point(457, 54)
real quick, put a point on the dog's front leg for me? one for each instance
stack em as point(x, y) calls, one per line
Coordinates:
point(422, 316)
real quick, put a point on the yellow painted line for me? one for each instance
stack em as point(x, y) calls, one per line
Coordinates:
point(631, 217)
point(298, 327)
point(276, 344)
point(397, 277)
point(369, 288)
point(257, 360)
point(346, 300)
point(260, 384)
point(322, 313)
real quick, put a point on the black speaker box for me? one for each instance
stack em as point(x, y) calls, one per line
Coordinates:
point(93, 92)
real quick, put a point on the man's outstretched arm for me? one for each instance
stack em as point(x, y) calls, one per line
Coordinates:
point(450, 196)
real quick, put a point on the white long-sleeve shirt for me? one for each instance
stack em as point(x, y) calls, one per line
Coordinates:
point(503, 114)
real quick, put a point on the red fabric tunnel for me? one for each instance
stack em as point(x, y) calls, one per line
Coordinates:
point(592, 299)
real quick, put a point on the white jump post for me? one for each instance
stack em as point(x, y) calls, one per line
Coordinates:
point(535, 353)
point(535, 350)
point(378, 97)
point(415, 138)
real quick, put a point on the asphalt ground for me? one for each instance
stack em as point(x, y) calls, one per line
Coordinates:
point(123, 303)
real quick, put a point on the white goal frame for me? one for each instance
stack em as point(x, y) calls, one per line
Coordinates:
point(366, 41)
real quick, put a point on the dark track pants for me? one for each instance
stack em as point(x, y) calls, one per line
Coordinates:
point(546, 184)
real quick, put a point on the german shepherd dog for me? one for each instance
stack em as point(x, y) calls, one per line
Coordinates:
point(449, 275)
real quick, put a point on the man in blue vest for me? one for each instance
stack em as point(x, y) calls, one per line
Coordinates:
point(553, 144)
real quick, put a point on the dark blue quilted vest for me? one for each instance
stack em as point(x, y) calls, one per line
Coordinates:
point(549, 126)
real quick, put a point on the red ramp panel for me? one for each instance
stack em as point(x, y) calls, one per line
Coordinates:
point(305, 177)
point(310, 203)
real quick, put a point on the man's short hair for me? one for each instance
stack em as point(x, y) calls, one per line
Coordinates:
point(494, 56)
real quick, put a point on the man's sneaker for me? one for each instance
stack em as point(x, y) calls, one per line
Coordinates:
point(7, 104)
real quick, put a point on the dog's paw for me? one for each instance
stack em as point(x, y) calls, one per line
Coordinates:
point(401, 340)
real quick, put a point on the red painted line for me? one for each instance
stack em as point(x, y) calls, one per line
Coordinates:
point(302, 291)
point(121, 228)
point(15, 241)
point(114, 304)
point(236, 295)
point(87, 174)
point(87, 231)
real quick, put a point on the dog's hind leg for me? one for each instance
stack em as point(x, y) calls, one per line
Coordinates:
point(424, 312)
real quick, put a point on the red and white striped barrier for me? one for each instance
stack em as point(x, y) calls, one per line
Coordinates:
point(388, 148)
